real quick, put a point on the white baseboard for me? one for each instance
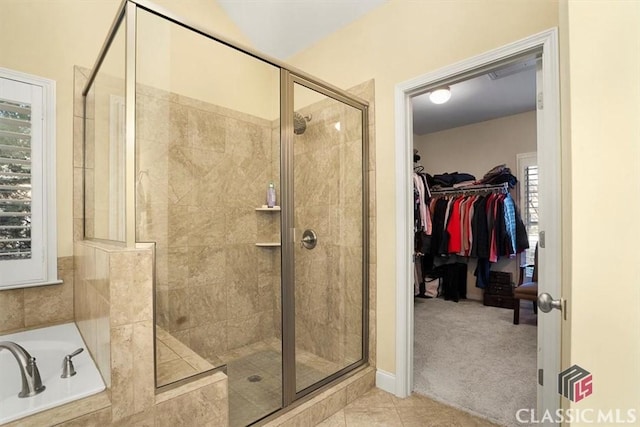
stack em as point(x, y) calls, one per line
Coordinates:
point(386, 381)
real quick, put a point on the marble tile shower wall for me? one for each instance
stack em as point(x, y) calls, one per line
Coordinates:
point(328, 189)
point(203, 170)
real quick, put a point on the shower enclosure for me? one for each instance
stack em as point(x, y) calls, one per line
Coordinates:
point(183, 134)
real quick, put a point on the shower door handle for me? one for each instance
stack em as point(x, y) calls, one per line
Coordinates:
point(309, 239)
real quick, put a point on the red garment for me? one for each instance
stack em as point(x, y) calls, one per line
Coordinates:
point(453, 227)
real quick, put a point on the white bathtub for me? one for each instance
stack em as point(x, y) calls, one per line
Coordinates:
point(48, 346)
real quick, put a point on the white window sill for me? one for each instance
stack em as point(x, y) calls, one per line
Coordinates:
point(31, 285)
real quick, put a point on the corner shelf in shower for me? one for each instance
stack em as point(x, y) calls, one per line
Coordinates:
point(264, 208)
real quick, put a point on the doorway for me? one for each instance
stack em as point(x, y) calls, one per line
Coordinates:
point(548, 148)
point(466, 348)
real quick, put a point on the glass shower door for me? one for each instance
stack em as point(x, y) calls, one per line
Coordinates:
point(207, 147)
point(328, 237)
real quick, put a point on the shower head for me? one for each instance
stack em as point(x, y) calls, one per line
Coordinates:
point(300, 122)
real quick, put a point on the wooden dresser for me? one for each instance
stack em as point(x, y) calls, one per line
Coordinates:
point(499, 291)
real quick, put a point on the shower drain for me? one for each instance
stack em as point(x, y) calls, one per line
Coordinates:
point(254, 378)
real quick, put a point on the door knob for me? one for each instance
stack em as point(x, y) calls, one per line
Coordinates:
point(546, 303)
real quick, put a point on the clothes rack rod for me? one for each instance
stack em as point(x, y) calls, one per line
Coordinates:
point(502, 188)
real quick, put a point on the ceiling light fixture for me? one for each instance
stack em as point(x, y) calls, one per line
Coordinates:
point(440, 95)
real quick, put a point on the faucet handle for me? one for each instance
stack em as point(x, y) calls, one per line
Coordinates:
point(75, 353)
point(67, 365)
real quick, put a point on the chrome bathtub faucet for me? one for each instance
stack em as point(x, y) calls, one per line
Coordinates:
point(31, 382)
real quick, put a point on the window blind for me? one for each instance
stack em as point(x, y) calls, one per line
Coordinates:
point(15, 180)
point(531, 209)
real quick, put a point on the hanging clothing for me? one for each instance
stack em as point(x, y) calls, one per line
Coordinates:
point(421, 194)
point(510, 221)
point(482, 226)
point(486, 226)
point(454, 227)
point(422, 231)
point(439, 224)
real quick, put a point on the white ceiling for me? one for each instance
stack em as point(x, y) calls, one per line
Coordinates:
point(281, 28)
point(478, 99)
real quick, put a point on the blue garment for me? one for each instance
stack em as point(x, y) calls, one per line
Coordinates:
point(510, 221)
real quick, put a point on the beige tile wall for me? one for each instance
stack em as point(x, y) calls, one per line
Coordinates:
point(113, 301)
point(40, 306)
point(328, 189)
point(92, 303)
point(178, 187)
point(203, 171)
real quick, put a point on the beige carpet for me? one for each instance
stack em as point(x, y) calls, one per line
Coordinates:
point(473, 357)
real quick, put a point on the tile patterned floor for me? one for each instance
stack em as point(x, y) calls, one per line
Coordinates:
point(255, 382)
point(379, 408)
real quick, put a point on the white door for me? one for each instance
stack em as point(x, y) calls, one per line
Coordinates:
point(550, 245)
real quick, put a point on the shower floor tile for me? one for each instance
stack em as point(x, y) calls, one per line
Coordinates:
point(176, 361)
point(255, 381)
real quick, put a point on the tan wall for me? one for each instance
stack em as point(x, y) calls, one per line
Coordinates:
point(475, 149)
point(178, 60)
point(478, 147)
point(601, 131)
point(55, 36)
point(393, 43)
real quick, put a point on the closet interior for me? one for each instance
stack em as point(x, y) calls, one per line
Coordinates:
point(475, 231)
point(457, 217)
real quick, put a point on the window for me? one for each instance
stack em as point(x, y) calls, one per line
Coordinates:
point(27, 181)
point(528, 176)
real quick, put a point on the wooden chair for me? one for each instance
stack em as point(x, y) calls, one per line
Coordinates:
point(527, 291)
